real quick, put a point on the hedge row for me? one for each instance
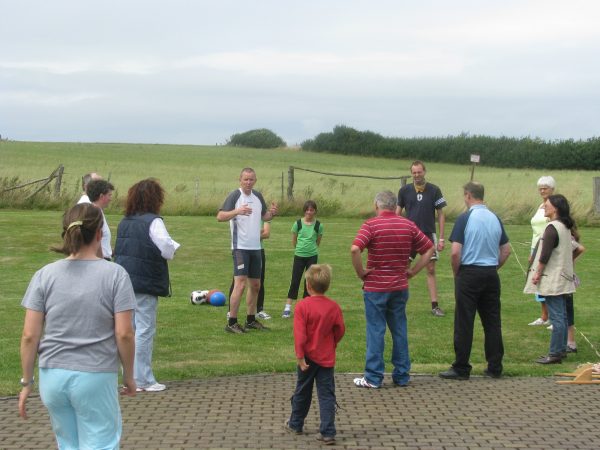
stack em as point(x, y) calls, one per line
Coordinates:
point(494, 151)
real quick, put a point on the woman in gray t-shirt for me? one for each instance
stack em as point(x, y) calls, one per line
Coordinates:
point(78, 320)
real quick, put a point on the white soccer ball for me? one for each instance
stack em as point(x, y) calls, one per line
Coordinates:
point(198, 297)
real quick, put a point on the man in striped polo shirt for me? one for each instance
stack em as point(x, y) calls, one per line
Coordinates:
point(389, 239)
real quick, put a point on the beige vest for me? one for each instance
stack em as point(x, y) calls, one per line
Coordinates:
point(557, 278)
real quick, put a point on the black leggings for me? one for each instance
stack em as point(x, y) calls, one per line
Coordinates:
point(301, 263)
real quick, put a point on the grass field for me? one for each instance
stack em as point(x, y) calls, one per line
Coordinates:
point(510, 192)
point(191, 342)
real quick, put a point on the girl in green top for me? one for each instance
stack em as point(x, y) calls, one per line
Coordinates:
point(306, 237)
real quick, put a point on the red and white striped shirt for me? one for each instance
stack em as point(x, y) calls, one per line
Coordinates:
point(389, 239)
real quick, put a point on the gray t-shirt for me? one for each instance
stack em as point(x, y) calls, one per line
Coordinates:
point(79, 299)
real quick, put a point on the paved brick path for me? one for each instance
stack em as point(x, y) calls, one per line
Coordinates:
point(249, 411)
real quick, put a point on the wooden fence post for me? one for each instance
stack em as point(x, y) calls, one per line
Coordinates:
point(197, 193)
point(597, 195)
point(290, 189)
point(58, 183)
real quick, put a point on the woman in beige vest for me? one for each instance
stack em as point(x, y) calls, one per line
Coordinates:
point(546, 186)
point(551, 273)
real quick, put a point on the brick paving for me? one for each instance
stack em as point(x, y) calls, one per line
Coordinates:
point(431, 413)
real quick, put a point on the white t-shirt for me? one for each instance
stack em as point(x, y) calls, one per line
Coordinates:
point(245, 230)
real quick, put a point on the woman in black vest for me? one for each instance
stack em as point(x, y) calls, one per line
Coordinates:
point(143, 247)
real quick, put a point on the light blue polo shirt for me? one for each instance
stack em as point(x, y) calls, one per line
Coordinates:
point(481, 234)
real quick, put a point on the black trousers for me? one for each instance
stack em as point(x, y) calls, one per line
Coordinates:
point(301, 263)
point(477, 290)
point(260, 303)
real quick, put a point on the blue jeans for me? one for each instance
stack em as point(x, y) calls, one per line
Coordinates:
point(144, 323)
point(83, 407)
point(557, 311)
point(381, 309)
point(301, 400)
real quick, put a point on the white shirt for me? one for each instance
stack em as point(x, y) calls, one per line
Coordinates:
point(161, 238)
point(106, 236)
point(84, 199)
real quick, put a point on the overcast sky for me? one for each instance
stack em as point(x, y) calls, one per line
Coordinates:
point(196, 72)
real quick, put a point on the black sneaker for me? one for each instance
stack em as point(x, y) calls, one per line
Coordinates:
point(452, 374)
point(236, 328)
point(255, 325)
point(487, 373)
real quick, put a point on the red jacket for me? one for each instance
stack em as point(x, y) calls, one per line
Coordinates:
point(318, 327)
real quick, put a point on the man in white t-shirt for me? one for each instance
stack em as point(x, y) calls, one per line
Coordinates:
point(85, 180)
point(245, 208)
point(100, 193)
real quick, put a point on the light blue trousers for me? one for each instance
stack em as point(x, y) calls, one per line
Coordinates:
point(83, 407)
point(144, 323)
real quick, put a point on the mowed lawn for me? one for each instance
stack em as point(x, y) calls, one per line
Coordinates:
point(191, 342)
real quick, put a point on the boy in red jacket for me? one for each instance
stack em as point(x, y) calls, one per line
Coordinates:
point(318, 327)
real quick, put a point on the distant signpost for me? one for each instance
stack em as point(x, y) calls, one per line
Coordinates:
point(475, 160)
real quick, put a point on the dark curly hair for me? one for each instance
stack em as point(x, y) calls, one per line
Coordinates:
point(146, 196)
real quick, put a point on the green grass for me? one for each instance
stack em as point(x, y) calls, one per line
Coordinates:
point(511, 193)
point(191, 343)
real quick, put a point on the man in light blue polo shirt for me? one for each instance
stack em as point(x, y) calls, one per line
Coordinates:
point(479, 248)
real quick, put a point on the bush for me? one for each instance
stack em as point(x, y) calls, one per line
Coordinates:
point(261, 138)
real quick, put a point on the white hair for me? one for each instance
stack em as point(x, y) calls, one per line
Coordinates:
point(547, 181)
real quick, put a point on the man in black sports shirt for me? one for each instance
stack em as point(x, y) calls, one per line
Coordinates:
point(421, 200)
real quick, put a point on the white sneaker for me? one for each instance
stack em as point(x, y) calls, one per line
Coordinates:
point(287, 313)
point(539, 322)
point(550, 327)
point(156, 387)
point(263, 315)
point(363, 383)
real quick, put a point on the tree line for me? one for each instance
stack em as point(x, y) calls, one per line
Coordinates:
point(494, 151)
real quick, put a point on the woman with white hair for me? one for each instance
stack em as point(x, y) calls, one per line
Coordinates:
point(546, 186)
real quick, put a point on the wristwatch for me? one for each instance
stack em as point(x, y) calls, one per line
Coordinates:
point(26, 383)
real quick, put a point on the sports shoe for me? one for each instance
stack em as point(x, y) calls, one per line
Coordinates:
point(263, 315)
point(438, 312)
point(287, 313)
point(487, 373)
point(156, 387)
point(539, 322)
point(452, 374)
point(289, 429)
point(363, 383)
point(236, 328)
point(327, 440)
point(550, 359)
point(571, 349)
point(550, 327)
point(255, 325)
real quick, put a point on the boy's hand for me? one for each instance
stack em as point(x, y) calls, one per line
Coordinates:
point(302, 364)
